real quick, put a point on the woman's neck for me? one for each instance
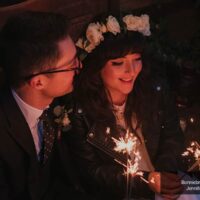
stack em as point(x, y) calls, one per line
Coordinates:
point(116, 97)
point(119, 100)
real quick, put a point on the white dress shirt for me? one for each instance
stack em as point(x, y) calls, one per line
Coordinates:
point(31, 115)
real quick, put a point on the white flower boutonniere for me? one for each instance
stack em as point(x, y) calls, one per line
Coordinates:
point(62, 118)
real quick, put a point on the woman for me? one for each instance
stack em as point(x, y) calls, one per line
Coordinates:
point(116, 92)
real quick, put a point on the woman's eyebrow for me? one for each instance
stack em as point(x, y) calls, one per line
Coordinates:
point(118, 58)
point(138, 58)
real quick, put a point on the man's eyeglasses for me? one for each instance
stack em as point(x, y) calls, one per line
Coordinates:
point(76, 69)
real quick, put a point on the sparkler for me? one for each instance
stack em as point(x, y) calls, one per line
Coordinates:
point(194, 150)
point(128, 146)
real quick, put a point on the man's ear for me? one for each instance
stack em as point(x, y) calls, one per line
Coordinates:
point(38, 82)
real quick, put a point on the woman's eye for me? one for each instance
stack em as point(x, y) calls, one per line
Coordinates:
point(117, 63)
point(137, 61)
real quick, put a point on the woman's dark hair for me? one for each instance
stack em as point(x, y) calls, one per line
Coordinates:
point(90, 90)
point(28, 42)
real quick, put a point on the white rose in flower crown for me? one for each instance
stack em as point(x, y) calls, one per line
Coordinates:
point(95, 31)
point(113, 25)
point(131, 22)
point(80, 43)
point(140, 24)
point(103, 28)
point(89, 48)
point(145, 28)
point(93, 34)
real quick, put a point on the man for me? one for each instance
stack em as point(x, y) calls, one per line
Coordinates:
point(39, 61)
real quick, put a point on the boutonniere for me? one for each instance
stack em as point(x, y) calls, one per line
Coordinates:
point(62, 118)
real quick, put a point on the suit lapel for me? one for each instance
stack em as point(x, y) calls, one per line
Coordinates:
point(18, 127)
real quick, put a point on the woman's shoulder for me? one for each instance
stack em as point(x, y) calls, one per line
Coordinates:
point(79, 117)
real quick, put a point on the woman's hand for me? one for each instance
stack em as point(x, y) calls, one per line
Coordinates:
point(168, 185)
point(154, 182)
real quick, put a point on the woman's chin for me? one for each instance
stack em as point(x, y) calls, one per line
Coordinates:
point(126, 91)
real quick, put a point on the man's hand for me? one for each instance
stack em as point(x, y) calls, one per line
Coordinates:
point(168, 185)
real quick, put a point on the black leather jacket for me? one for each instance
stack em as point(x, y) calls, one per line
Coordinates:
point(96, 161)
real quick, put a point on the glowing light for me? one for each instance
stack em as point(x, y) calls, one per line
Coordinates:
point(192, 120)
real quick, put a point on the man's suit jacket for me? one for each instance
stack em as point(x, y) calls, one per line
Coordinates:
point(21, 174)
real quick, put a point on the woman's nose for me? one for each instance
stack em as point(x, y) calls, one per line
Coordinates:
point(129, 67)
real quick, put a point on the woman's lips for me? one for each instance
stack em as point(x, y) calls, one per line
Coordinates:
point(130, 80)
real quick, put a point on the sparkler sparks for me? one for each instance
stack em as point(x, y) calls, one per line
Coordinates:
point(194, 150)
point(128, 145)
point(131, 168)
point(125, 145)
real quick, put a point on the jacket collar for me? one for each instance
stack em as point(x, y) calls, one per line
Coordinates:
point(17, 125)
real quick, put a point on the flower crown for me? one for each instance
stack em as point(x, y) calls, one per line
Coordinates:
point(95, 31)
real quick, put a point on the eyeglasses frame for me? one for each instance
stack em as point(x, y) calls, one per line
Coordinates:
point(78, 68)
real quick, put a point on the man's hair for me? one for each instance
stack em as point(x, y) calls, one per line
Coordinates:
point(29, 43)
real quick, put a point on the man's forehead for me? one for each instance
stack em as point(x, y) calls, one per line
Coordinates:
point(68, 53)
point(70, 62)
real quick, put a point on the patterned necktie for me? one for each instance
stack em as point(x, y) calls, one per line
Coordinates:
point(48, 136)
